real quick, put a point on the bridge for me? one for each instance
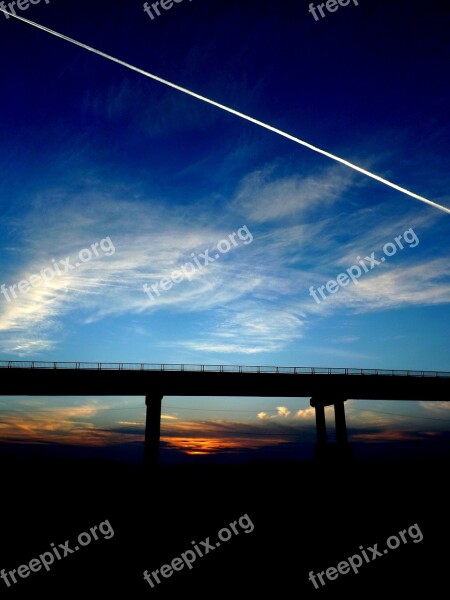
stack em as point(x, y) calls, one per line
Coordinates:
point(325, 386)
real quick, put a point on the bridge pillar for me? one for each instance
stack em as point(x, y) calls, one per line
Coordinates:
point(152, 430)
point(321, 426)
point(341, 427)
point(342, 446)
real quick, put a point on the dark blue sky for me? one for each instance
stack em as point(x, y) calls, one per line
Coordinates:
point(92, 151)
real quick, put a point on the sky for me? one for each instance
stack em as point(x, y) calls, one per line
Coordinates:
point(111, 181)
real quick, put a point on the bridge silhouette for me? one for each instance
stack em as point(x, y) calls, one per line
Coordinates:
point(325, 387)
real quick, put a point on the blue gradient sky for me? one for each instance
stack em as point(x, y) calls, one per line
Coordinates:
point(91, 150)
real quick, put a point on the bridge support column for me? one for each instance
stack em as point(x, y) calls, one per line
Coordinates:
point(152, 430)
point(342, 446)
point(321, 426)
point(341, 427)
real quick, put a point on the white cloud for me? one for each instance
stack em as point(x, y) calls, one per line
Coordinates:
point(283, 411)
point(424, 283)
point(306, 413)
point(265, 197)
point(439, 408)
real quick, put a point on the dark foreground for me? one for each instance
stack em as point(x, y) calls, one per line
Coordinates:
point(306, 517)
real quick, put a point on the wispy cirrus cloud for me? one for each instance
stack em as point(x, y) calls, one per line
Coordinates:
point(423, 284)
point(393, 436)
point(439, 408)
point(267, 197)
point(70, 425)
point(256, 296)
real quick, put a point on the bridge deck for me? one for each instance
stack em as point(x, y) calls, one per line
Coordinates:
point(141, 379)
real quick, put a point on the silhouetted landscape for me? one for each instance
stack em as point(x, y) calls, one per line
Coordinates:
point(306, 516)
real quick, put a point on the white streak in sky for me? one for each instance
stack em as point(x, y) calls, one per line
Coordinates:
point(232, 111)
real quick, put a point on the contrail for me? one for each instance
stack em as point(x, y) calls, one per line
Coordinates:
point(233, 112)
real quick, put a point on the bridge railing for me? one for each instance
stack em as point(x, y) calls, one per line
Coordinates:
point(35, 364)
